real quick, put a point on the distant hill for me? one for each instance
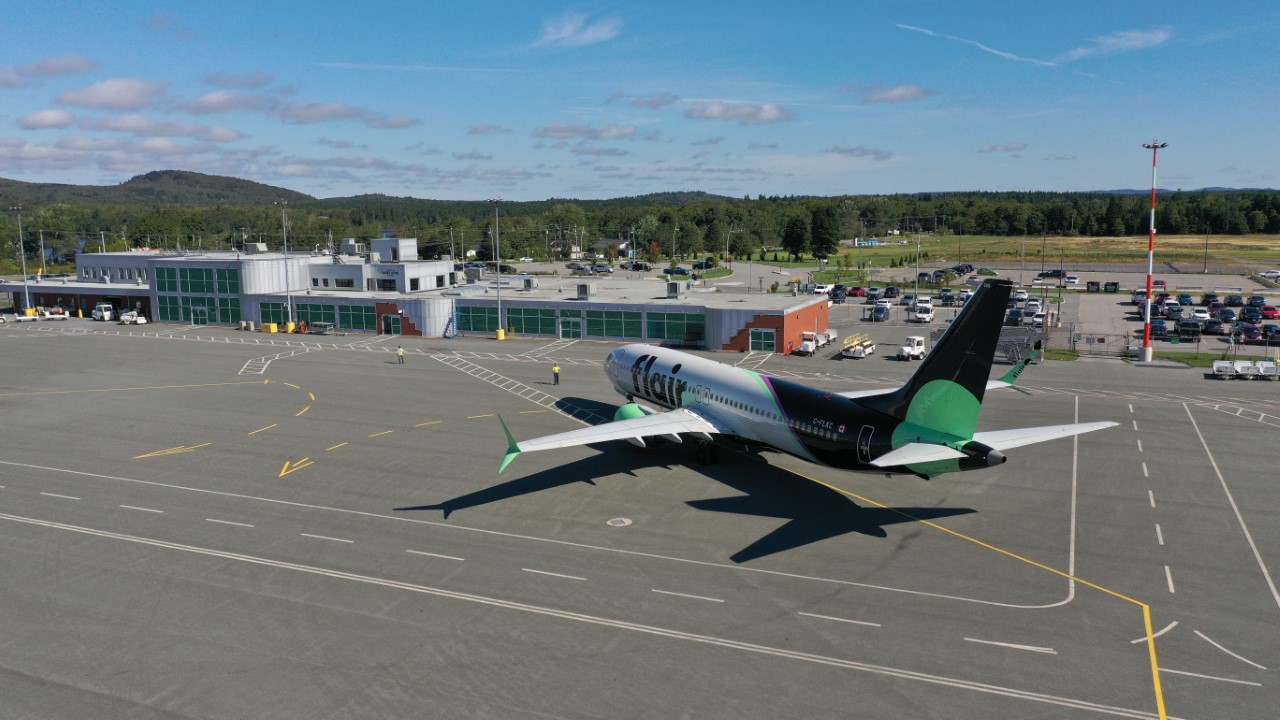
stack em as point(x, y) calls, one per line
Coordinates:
point(177, 187)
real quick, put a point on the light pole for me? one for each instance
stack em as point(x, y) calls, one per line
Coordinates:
point(1154, 146)
point(284, 231)
point(22, 250)
point(1206, 247)
point(497, 252)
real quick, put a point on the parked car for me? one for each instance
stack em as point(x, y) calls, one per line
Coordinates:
point(1200, 314)
point(1248, 332)
point(526, 259)
point(873, 294)
point(1073, 279)
point(907, 299)
point(857, 291)
point(1020, 295)
point(1235, 301)
point(818, 288)
point(892, 291)
point(1189, 330)
point(1227, 315)
point(1208, 299)
point(1214, 326)
point(1032, 306)
point(883, 303)
point(1159, 329)
point(1039, 319)
point(879, 313)
point(1270, 274)
point(1271, 333)
point(1251, 315)
point(1185, 299)
point(1053, 274)
point(602, 268)
point(704, 264)
point(568, 266)
point(1269, 312)
point(675, 271)
point(1256, 301)
point(1014, 318)
point(1216, 307)
point(1173, 310)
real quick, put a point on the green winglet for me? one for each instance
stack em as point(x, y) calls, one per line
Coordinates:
point(1011, 377)
point(512, 448)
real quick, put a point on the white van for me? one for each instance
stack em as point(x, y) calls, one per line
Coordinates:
point(103, 311)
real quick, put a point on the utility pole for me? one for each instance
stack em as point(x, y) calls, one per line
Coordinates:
point(284, 231)
point(1206, 247)
point(42, 269)
point(1147, 352)
point(22, 251)
point(497, 251)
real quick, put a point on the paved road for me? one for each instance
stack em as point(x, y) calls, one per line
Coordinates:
point(322, 534)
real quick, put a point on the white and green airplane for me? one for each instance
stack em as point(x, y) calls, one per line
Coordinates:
point(927, 427)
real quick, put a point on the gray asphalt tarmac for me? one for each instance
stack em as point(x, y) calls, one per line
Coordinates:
point(323, 534)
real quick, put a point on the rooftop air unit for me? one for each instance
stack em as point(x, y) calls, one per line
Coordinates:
point(529, 283)
point(673, 289)
point(586, 290)
point(255, 248)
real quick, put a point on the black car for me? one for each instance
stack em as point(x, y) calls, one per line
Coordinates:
point(1227, 315)
point(879, 313)
point(1214, 326)
point(1256, 301)
point(1059, 273)
point(1208, 299)
point(1159, 329)
point(1014, 318)
point(1271, 333)
point(891, 292)
point(1251, 315)
point(1235, 301)
point(1189, 330)
point(705, 264)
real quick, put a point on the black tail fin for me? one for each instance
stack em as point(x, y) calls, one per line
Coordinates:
point(963, 356)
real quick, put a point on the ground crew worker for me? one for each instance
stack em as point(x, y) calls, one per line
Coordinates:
point(555, 374)
point(400, 354)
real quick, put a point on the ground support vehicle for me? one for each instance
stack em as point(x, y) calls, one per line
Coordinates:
point(132, 317)
point(1224, 369)
point(858, 346)
point(913, 349)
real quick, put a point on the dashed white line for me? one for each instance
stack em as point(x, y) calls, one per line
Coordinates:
point(1139, 444)
point(435, 555)
point(1135, 426)
point(1152, 498)
point(1130, 407)
point(1159, 535)
point(1030, 648)
point(135, 507)
point(1209, 677)
point(552, 574)
point(64, 497)
point(1145, 474)
point(1241, 659)
point(228, 522)
point(326, 537)
point(1168, 576)
point(684, 595)
point(843, 620)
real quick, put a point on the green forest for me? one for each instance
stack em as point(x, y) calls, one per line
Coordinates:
point(176, 209)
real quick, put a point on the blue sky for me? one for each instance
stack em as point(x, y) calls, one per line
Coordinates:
point(530, 101)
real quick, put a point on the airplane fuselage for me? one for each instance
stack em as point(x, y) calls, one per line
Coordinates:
point(807, 422)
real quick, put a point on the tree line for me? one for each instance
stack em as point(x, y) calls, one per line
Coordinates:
point(679, 225)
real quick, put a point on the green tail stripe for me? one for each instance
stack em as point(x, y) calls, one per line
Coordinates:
point(513, 448)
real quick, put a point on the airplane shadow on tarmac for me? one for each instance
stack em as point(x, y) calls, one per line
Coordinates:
point(814, 512)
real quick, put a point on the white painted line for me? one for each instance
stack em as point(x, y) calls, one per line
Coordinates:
point(64, 497)
point(228, 522)
point(1130, 407)
point(1030, 648)
point(1166, 629)
point(1152, 497)
point(135, 507)
point(544, 572)
point(1275, 594)
point(843, 620)
point(683, 595)
point(1168, 576)
point(1145, 474)
point(326, 537)
point(1139, 445)
point(1243, 660)
point(435, 555)
point(1135, 426)
point(1159, 535)
point(1209, 677)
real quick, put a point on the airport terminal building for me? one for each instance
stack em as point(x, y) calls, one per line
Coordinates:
point(377, 290)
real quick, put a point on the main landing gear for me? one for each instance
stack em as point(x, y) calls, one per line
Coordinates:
point(708, 453)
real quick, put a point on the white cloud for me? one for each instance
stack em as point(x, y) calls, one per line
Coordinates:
point(1116, 42)
point(249, 81)
point(46, 119)
point(473, 155)
point(146, 127)
point(574, 130)
point(81, 142)
point(656, 100)
point(1011, 147)
point(60, 65)
point(309, 113)
point(487, 129)
point(584, 149)
point(741, 113)
point(572, 30)
point(9, 76)
point(115, 94)
point(877, 93)
point(713, 140)
point(221, 101)
point(860, 151)
point(975, 43)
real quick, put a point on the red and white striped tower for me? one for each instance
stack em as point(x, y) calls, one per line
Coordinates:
point(1154, 146)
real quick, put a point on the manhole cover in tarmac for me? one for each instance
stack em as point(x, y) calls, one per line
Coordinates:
point(619, 522)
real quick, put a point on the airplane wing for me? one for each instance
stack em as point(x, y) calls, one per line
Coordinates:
point(1017, 437)
point(670, 423)
point(998, 440)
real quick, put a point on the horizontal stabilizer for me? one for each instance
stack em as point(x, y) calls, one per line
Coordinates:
point(914, 453)
point(1017, 437)
point(855, 394)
